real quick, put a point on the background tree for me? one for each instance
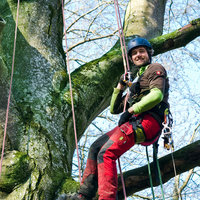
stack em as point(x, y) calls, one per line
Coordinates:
point(40, 142)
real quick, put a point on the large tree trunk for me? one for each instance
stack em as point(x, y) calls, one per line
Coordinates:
point(40, 136)
point(145, 18)
point(37, 119)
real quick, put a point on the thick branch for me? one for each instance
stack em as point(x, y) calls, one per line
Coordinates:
point(178, 38)
point(185, 159)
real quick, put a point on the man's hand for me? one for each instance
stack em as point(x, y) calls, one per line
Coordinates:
point(123, 79)
point(124, 118)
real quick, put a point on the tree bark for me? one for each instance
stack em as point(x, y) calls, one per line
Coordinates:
point(37, 122)
point(145, 18)
point(179, 38)
point(2, 24)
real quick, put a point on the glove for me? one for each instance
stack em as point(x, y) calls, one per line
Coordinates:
point(124, 79)
point(124, 118)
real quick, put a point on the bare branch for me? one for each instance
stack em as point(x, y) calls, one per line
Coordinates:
point(186, 180)
point(94, 21)
point(91, 39)
point(82, 16)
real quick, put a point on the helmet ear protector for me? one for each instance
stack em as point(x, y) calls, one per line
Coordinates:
point(138, 42)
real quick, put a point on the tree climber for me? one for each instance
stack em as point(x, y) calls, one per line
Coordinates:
point(141, 123)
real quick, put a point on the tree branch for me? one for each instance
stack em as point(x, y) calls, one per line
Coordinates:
point(91, 39)
point(82, 16)
point(176, 39)
point(185, 158)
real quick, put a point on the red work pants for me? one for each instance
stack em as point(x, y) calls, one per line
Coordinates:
point(101, 171)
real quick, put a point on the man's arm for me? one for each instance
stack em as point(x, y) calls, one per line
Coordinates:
point(147, 102)
point(117, 100)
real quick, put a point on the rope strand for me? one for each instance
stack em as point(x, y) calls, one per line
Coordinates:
point(71, 95)
point(174, 166)
point(122, 33)
point(126, 68)
point(122, 38)
point(9, 96)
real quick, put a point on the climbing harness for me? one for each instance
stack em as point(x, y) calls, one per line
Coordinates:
point(8, 104)
point(71, 94)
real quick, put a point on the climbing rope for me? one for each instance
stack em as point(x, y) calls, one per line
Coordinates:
point(8, 104)
point(168, 140)
point(71, 94)
point(149, 171)
point(159, 173)
point(122, 38)
point(158, 168)
point(126, 70)
point(168, 144)
point(174, 166)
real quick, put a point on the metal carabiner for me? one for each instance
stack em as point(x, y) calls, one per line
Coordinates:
point(167, 132)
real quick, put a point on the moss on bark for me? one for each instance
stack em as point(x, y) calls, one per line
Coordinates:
point(16, 169)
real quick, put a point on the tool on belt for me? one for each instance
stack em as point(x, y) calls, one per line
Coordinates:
point(167, 130)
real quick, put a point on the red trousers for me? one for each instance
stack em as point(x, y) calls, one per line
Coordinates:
point(101, 172)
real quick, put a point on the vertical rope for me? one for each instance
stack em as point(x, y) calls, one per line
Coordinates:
point(122, 38)
point(121, 34)
point(71, 94)
point(159, 174)
point(122, 178)
point(150, 176)
point(174, 166)
point(126, 68)
point(8, 104)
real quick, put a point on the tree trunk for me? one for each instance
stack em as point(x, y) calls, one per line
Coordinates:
point(145, 18)
point(37, 118)
point(40, 135)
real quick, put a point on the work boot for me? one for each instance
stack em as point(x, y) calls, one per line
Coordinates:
point(73, 197)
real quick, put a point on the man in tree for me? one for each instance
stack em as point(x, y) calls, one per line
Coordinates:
point(141, 123)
